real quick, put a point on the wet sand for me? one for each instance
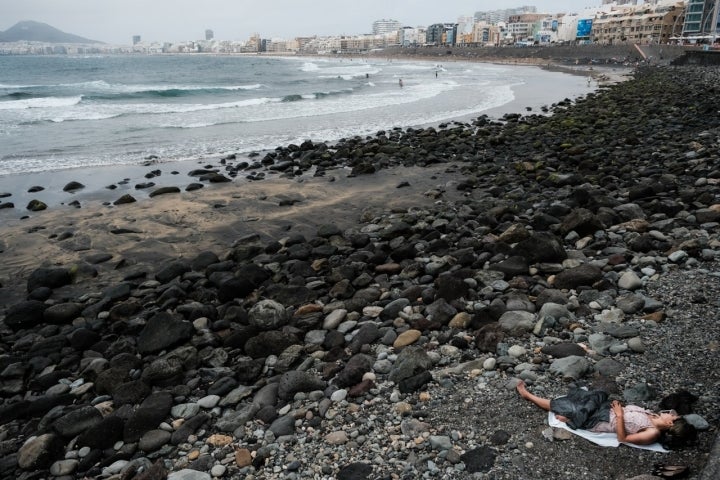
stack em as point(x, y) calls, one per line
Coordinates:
point(183, 224)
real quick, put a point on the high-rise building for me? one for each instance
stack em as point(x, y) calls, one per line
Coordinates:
point(495, 16)
point(209, 34)
point(381, 27)
point(701, 20)
point(136, 39)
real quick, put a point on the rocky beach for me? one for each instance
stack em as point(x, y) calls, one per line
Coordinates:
point(364, 309)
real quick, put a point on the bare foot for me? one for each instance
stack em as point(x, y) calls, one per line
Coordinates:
point(561, 418)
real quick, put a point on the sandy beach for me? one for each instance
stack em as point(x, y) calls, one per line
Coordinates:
point(180, 225)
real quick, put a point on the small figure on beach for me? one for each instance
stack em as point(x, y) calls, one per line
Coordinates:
point(436, 74)
point(593, 411)
point(400, 83)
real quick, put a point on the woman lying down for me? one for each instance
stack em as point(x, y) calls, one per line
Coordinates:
point(592, 410)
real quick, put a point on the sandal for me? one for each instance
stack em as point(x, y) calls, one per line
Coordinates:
point(670, 471)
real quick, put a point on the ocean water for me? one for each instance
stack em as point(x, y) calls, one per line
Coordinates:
point(63, 112)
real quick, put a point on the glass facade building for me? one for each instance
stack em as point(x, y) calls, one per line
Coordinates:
point(701, 20)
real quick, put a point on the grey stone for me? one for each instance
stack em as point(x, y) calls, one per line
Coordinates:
point(63, 467)
point(609, 367)
point(517, 323)
point(572, 367)
point(601, 343)
point(629, 281)
point(268, 315)
point(187, 474)
point(77, 421)
point(185, 410)
point(440, 442)
point(640, 392)
point(697, 421)
point(153, 440)
point(41, 452)
point(411, 361)
point(284, 425)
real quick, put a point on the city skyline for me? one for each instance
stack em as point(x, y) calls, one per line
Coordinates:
point(116, 21)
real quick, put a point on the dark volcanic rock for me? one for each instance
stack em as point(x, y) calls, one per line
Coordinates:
point(353, 372)
point(584, 275)
point(582, 221)
point(163, 191)
point(272, 342)
point(562, 350)
point(162, 331)
point(77, 421)
point(355, 471)
point(148, 415)
point(541, 247)
point(25, 314)
point(62, 313)
point(125, 199)
point(72, 186)
point(296, 381)
point(48, 277)
point(480, 459)
point(410, 362)
point(36, 205)
point(172, 270)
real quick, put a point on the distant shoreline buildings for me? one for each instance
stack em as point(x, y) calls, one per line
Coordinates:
point(612, 23)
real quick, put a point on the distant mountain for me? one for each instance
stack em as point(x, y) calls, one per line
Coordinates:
point(40, 32)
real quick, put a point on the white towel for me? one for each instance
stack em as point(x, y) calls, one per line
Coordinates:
point(603, 439)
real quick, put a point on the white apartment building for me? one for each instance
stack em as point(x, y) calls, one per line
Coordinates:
point(381, 27)
point(409, 36)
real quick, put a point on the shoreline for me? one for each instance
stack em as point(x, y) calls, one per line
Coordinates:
point(174, 172)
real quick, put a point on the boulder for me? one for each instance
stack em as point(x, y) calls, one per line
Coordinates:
point(163, 331)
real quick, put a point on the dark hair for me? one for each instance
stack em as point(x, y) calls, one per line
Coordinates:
point(681, 434)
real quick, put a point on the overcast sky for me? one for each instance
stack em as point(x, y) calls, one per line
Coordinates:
point(116, 21)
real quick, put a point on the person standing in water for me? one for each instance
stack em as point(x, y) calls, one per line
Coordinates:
point(400, 83)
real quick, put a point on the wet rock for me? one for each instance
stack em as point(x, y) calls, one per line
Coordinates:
point(72, 186)
point(125, 199)
point(36, 205)
point(163, 191)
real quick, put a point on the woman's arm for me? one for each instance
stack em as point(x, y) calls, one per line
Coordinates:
point(645, 437)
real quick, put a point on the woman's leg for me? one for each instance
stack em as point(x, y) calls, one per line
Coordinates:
point(543, 403)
